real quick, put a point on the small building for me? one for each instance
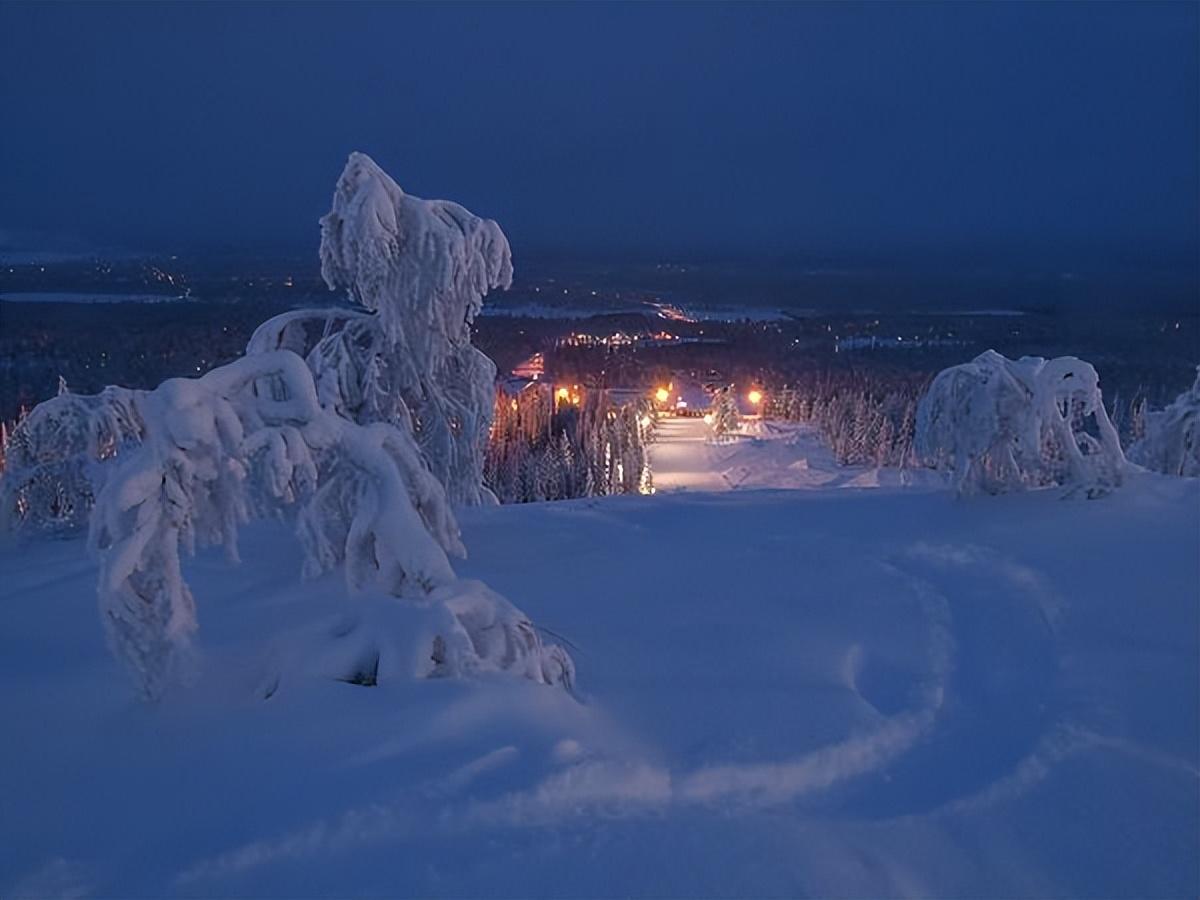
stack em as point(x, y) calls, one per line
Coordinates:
point(532, 368)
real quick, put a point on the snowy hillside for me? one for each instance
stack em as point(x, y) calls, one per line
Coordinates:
point(780, 693)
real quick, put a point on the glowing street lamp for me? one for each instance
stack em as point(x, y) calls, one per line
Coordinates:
point(755, 397)
point(662, 395)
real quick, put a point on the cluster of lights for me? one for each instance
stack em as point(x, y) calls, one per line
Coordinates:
point(568, 395)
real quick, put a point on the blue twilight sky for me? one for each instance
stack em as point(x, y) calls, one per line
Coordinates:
point(1008, 132)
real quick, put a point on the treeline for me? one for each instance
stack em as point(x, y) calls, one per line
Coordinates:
point(542, 447)
point(866, 417)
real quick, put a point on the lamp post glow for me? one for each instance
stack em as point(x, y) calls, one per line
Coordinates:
point(662, 395)
point(755, 397)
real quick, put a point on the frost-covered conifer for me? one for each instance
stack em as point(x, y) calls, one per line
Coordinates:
point(724, 411)
point(1171, 443)
point(53, 459)
point(417, 271)
point(1001, 425)
point(351, 444)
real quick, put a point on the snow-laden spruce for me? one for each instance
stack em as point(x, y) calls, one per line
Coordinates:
point(1001, 425)
point(416, 271)
point(1171, 443)
point(724, 413)
point(250, 439)
point(328, 443)
point(53, 459)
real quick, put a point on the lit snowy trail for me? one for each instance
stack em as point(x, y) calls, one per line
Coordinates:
point(682, 458)
point(783, 455)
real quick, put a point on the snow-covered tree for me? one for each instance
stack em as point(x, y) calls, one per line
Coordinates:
point(1171, 442)
point(251, 438)
point(353, 444)
point(1001, 425)
point(539, 452)
point(53, 456)
point(724, 412)
point(416, 271)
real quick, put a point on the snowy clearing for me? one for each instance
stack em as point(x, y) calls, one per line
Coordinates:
point(781, 693)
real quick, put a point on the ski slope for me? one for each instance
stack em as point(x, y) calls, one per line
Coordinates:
point(851, 692)
point(766, 454)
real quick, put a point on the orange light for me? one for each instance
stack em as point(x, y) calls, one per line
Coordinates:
point(755, 397)
point(662, 395)
point(514, 404)
point(562, 393)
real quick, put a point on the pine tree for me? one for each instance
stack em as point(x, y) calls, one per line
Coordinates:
point(725, 417)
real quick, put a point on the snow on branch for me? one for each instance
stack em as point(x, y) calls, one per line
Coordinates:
point(251, 439)
point(411, 260)
point(1001, 425)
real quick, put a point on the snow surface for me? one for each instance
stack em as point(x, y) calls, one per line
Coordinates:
point(886, 692)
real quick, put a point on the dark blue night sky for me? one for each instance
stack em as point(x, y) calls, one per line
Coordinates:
point(1001, 131)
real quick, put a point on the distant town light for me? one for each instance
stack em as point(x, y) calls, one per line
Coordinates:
point(662, 395)
point(755, 397)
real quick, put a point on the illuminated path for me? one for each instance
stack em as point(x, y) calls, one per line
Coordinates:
point(682, 458)
point(772, 455)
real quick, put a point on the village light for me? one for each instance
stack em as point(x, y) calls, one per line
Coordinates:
point(755, 397)
point(562, 393)
point(662, 395)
